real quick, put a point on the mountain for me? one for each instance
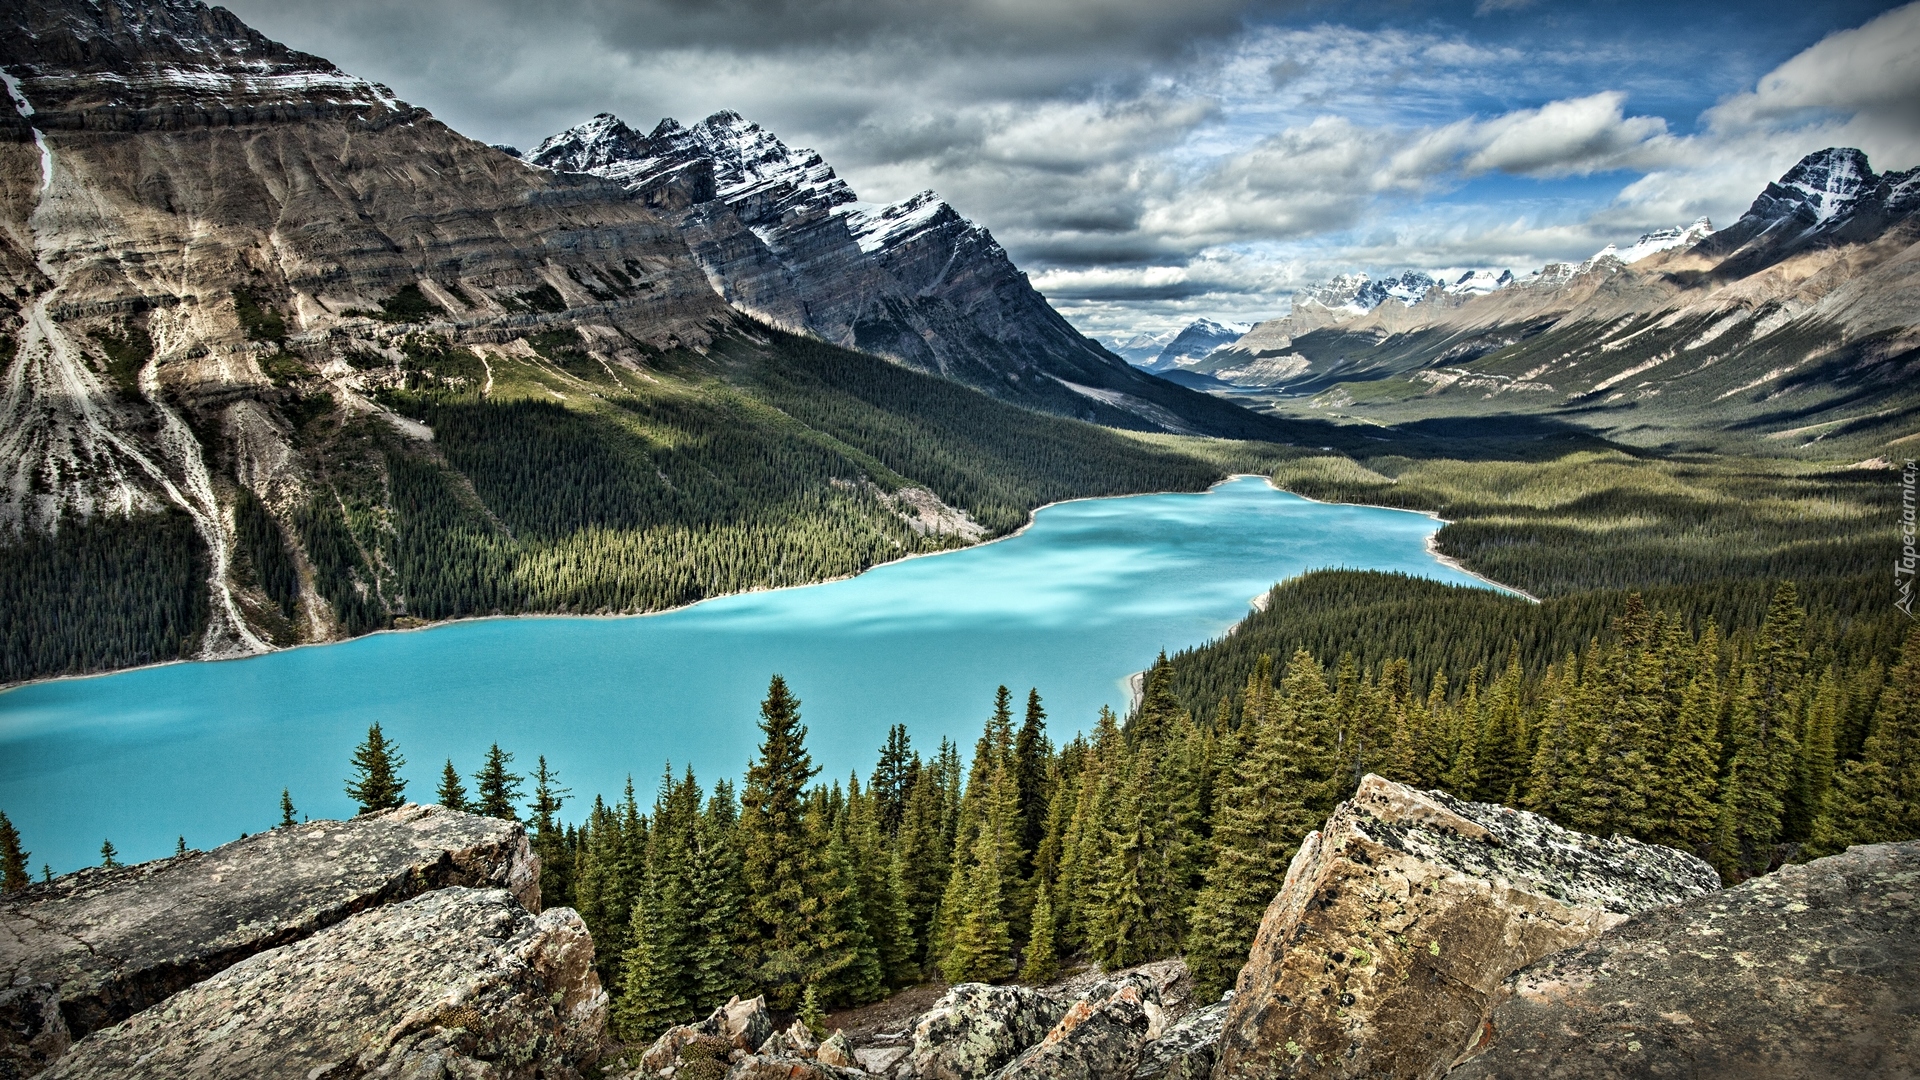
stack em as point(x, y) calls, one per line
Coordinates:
point(1193, 343)
point(1796, 324)
point(782, 237)
point(1142, 349)
point(288, 360)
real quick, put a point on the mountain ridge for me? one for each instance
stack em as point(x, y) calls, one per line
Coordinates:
point(781, 236)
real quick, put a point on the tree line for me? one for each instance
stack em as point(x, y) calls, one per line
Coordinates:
point(1168, 834)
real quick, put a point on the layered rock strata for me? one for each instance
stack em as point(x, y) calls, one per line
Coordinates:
point(458, 982)
point(1401, 916)
point(91, 949)
point(1809, 972)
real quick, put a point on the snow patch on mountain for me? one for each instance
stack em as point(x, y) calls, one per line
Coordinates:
point(1195, 342)
point(1655, 242)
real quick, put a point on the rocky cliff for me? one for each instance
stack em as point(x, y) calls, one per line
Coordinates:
point(783, 237)
point(385, 942)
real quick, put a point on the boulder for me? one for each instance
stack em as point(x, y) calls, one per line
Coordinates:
point(745, 1024)
point(1185, 1050)
point(110, 943)
point(796, 1041)
point(835, 1050)
point(458, 982)
point(975, 1028)
point(1099, 1036)
point(1400, 918)
point(685, 1043)
point(1809, 972)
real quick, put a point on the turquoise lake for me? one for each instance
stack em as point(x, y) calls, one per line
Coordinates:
point(1085, 596)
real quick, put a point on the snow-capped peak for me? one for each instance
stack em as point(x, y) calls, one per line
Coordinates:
point(1654, 242)
point(1480, 282)
point(1830, 181)
point(590, 147)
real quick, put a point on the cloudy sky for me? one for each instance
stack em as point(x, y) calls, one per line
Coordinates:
point(1152, 161)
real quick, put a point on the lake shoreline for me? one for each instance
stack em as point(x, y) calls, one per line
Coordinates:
point(1032, 515)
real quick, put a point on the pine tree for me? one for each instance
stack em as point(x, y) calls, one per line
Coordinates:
point(13, 860)
point(452, 793)
point(1503, 772)
point(497, 789)
point(109, 855)
point(376, 783)
point(549, 836)
point(892, 779)
point(811, 1013)
point(286, 808)
point(980, 944)
point(1041, 961)
point(716, 966)
point(179, 846)
point(1031, 752)
point(776, 856)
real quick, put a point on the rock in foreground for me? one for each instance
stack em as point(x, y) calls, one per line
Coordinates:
point(458, 983)
point(106, 944)
point(1810, 972)
point(977, 1028)
point(1400, 918)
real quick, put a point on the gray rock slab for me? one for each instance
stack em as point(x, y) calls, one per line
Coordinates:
point(455, 983)
point(110, 943)
point(1809, 972)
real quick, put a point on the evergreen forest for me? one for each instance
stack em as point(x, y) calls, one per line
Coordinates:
point(1167, 832)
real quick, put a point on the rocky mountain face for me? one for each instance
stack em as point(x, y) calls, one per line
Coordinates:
point(1795, 324)
point(782, 237)
point(192, 215)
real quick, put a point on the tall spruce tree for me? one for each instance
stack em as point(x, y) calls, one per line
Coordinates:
point(110, 855)
point(549, 835)
point(777, 860)
point(286, 808)
point(1031, 752)
point(13, 859)
point(497, 788)
point(892, 778)
point(376, 783)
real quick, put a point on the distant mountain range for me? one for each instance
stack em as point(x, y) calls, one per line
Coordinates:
point(782, 237)
point(1797, 322)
